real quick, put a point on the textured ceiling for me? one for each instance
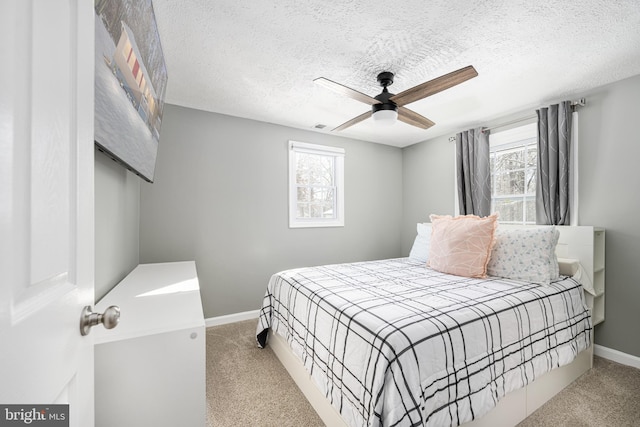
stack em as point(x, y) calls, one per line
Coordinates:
point(258, 59)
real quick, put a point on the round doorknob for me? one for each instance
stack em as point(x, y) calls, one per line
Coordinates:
point(109, 319)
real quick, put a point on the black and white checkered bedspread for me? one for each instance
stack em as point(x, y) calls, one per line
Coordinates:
point(392, 343)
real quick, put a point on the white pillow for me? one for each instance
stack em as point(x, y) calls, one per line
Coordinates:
point(420, 248)
point(527, 254)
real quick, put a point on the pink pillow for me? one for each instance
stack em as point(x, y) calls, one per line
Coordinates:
point(462, 245)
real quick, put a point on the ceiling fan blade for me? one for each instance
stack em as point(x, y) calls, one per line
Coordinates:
point(434, 86)
point(412, 118)
point(353, 121)
point(346, 91)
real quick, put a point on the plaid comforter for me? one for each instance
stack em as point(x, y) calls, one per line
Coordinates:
point(392, 343)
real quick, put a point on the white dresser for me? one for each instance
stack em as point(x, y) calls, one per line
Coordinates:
point(150, 369)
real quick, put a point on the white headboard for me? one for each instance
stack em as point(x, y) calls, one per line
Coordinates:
point(587, 245)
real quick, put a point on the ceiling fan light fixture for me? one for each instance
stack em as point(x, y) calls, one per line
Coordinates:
point(385, 117)
point(384, 114)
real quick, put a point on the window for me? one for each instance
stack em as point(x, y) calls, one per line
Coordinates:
point(513, 174)
point(316, 185)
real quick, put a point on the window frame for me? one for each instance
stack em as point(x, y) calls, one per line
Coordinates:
point(338, 155)
point(522, 136)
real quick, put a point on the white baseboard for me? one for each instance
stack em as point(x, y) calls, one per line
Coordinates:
point(616, 356)
point(231, 318)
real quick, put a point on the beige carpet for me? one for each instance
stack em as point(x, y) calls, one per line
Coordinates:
point(247, 386)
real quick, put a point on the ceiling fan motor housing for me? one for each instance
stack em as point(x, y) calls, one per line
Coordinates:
point(384, 106)
point(385, 79)
point(387, 109)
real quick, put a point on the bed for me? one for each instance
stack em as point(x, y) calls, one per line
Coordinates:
point(393, 342)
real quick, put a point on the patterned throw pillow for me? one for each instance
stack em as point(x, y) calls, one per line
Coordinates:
point(461, 245)
point(527, 254)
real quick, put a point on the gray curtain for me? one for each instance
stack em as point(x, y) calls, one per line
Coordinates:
point(554, 147)
point(473, 171)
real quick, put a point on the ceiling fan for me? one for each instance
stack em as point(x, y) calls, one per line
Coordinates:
point(387, 107)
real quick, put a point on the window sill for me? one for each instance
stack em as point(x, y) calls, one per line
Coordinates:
point(316, 224)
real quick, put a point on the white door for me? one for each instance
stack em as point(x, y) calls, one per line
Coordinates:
point(46, 203)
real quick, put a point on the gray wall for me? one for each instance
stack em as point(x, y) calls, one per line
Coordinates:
point(609, 150)
point(117, 218)
point(428, 178)
point(220, 197)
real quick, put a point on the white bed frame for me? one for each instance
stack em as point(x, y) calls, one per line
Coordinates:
point(574, 243)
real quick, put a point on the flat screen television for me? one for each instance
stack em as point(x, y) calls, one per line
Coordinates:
point(130, 84)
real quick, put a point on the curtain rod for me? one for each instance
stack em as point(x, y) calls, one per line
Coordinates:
point(575, 104)
point(522, 119)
